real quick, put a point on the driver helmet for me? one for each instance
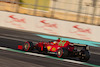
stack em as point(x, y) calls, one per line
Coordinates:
point(58, 40)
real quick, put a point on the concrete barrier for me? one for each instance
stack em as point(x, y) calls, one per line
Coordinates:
point(50, 26)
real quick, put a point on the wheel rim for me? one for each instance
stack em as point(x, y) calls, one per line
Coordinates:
point(83, 56)
point(26, 46)
point(60, 53)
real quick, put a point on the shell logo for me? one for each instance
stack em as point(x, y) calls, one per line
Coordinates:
point(49, 47)
point(53, 49)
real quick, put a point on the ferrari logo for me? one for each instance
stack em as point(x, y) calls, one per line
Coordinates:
point(49, 47)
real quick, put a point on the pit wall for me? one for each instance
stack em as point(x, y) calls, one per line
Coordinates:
point(50, 26)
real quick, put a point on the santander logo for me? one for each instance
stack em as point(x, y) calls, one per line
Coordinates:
point(17, 19)
point(48, 24)
point(79, 29)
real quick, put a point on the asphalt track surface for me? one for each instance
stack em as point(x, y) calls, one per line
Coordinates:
point(12, 38)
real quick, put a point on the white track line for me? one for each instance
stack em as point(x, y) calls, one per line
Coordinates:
point(46, 56)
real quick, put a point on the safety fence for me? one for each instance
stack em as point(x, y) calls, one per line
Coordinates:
point(83, 11)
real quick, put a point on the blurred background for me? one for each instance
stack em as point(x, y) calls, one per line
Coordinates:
point(82, 11)
point(20, 21)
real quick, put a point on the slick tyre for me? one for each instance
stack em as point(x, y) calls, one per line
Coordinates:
point(28, 46)
point(62, 53)
point(85, 55)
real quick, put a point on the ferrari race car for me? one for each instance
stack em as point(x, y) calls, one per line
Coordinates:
point(61, 48)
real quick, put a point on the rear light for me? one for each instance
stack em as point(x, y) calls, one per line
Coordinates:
point(20, 47)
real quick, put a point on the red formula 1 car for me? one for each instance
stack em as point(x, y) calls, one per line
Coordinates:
point(61, 48)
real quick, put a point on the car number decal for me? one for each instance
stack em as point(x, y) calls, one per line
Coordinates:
point(61, 43)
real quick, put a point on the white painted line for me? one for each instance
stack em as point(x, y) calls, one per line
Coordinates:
point(72, 61)
point(3, 48)
point(67, 60)
point(35, 54)
point(40, 55)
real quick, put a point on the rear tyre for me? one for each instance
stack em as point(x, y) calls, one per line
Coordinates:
point(28, 46)
point(85, 55)
point(62, 53)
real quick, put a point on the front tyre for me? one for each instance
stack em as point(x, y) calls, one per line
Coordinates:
point(28, 46)
point(62, 53)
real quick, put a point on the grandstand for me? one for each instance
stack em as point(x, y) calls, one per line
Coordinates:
point(80, 11)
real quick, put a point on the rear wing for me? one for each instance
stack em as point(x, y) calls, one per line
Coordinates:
point(81, 46)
